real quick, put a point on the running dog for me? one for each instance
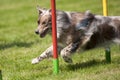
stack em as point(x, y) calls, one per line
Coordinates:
point(76, 30)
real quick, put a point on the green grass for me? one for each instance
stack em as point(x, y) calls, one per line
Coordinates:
point(19, 44)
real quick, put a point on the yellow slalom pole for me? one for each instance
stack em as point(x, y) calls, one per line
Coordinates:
point(107, 51)
point(105, 10)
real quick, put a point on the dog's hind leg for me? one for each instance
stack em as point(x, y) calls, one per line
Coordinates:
point(67, 51)
point(46, 54)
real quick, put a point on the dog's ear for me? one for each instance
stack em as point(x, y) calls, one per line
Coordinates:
point(88, 14)
point(40, 10)
point(50, 11)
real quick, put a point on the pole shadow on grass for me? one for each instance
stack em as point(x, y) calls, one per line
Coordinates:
point(82, 65)
point(4, 46)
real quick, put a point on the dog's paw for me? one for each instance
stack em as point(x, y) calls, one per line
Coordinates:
point(35, 61)
point(67, 60)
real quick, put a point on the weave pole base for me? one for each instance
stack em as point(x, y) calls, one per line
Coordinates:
point(108, 55)
point(56, 66)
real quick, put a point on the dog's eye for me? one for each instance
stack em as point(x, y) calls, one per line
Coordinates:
point(44, 23)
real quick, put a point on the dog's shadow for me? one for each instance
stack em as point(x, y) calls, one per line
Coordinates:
point(4, 46)
point(88, 64)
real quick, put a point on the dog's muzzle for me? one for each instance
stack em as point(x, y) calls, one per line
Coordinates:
point(42, 33)
point(37, 31)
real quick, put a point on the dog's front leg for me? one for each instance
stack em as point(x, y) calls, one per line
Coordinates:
point(67, 51)
point(46, 54)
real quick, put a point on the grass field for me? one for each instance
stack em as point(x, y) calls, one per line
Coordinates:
point(19, 44)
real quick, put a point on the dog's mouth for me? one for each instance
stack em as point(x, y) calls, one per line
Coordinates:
point(44, 32)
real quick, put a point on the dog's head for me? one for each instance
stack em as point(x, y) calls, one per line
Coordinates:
point(44, 22)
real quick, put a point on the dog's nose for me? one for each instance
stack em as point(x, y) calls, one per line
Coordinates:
point(37, 32)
